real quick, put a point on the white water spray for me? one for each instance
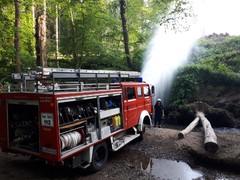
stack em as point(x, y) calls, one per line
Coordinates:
point(166, 52)
point(168, 49)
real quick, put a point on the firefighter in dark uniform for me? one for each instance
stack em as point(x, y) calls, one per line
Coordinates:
point(159, 113)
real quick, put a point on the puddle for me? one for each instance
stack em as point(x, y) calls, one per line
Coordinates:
point(168, 169)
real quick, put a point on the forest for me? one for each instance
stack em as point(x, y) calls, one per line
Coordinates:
point(114, 34)
point(90, 34)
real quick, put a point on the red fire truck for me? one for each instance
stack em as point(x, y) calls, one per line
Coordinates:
point(73, 117)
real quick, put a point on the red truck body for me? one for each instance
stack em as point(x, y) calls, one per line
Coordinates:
point(74, 126)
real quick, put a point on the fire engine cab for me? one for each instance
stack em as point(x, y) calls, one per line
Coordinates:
point(73, 117)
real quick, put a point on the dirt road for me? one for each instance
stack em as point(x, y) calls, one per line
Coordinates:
point(128, 163)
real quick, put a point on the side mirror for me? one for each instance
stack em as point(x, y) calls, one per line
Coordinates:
point(153, 90)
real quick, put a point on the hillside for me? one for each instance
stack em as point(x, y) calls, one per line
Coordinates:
point(212, 76)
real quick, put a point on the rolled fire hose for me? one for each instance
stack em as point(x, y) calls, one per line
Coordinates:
point(70, 140)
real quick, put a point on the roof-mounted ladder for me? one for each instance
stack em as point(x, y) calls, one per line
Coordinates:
point(73, 77)
point(66, 73)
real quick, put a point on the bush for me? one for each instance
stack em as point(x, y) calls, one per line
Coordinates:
point(193, 79)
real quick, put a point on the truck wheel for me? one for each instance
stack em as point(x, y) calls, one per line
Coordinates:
point(100, 157)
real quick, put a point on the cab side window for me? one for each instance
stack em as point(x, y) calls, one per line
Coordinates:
point(139, 91)
point(131, 93)
point(146, 91)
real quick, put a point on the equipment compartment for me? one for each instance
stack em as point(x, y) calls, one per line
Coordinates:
point(72, 112)
point(23, 129)
point(111, 111)
point(84, 121)
point(75, 117)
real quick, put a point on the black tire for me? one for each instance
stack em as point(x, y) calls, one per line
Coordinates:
point(100, 157)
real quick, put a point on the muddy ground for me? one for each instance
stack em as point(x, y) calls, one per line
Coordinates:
point(158, 143)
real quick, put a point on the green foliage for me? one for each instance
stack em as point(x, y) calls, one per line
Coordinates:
point(90, 33)
point(27, 35)
point(7, 51)
point(6, 38)
point(220, 52)
point(92, 36)
point(193, 79)
point(214, 62)
point(185, 87)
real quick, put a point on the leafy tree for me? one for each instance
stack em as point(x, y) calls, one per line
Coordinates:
point(125, 32)
point(27, 43)
point(6, 40)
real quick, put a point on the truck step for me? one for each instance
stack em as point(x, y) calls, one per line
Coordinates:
point(85, 165)
point(119, 143)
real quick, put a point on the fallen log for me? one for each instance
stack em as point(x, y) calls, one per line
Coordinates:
point(189, 128)
point(210, 141)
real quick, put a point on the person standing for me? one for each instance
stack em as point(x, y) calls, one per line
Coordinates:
point(159, 113)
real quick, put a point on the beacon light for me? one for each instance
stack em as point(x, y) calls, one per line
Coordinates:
point(140, 79)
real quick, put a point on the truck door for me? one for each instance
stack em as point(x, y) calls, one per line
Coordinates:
point(147, 98)
point(130, 107)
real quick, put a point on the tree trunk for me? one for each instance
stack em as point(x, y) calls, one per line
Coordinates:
point(41, 35)
point(125, 33)
point(57, 37)
point(210, 142)
point(72, 30)
point(34, 24)
point(82, 40)
point(17, 36)
point(189, 128)
point(37, 38)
